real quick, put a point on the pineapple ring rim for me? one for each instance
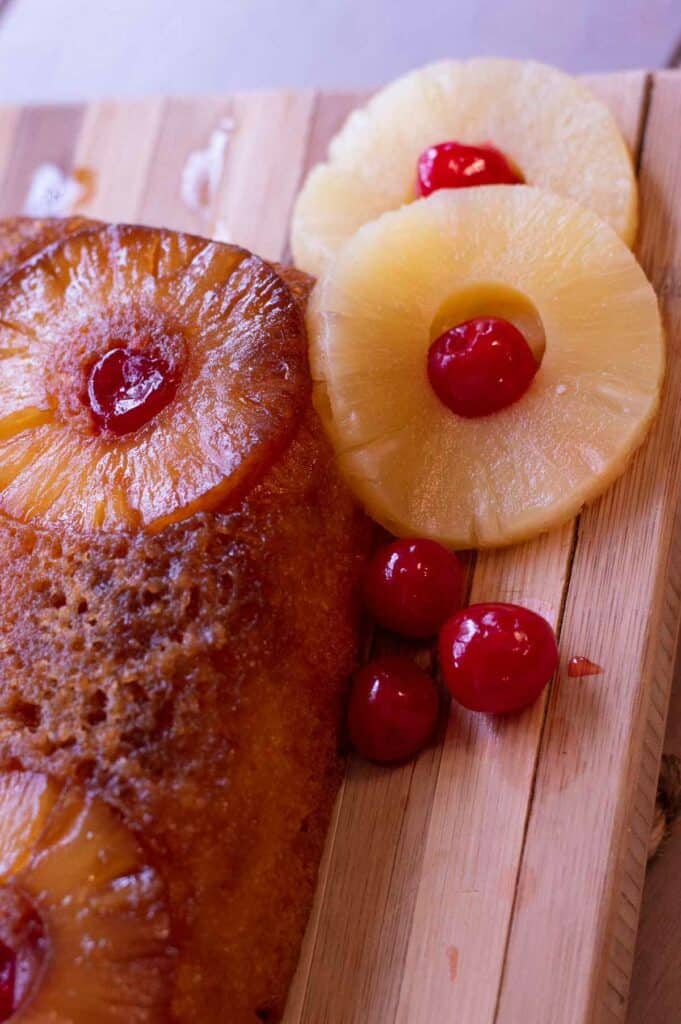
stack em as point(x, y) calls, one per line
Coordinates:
point(316, 236)
point(326, 309)
point(232, 472)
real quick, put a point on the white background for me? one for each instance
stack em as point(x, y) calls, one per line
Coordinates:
point(75, 49)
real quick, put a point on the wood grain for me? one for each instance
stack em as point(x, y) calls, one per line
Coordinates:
point(498, 878)
point(259, 187)
point(41, 135)
point(185, 128)
point(656, 976)
point(115, 145)
point(424, 860)
point(9, 117)
point(603, 740)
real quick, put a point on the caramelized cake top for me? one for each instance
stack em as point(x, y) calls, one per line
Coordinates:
point(188, 681)
point(93, 328)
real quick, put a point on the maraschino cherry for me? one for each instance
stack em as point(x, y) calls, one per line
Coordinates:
point(393, 710)
point(413, 586)
point(8, 970)
point(22, 952)
point(455, 165)
point(481, 366)
point(127, 388)
point(497, 657)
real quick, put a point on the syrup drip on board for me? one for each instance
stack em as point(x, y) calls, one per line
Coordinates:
point(579, 667)
point(55, 193)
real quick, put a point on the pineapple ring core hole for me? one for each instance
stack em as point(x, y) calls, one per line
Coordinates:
point(23, 946)
point(492, 299)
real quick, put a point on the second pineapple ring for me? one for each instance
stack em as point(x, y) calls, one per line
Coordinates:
point(564, 276)
point(554, 133)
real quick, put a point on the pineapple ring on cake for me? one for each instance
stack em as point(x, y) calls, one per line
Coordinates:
point(101, 946)
point(21, 238)
point(547, 125)
point(419, 468)
point(144, 375)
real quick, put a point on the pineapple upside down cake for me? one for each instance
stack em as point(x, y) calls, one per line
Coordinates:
point(179, 553)
point(169, 694)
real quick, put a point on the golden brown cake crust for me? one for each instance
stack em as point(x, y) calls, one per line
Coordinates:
point(23, 237)
point(194, 679)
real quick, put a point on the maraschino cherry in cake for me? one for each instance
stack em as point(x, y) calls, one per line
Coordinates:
point(170, 695)
point(456, 125)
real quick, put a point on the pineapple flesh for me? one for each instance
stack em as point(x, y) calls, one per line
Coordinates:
point(422, 470)
point(23, 237)
point(223, 316)
point(551, 128)
point(107, 955)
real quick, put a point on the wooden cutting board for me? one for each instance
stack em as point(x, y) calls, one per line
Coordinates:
point(499, 878)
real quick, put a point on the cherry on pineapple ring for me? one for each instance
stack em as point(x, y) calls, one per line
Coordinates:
point(481, 366)
point(393, 710)
point(126, 388)
point(8, 968)
point(413, 586)
point(497, 657)
point(456, 165)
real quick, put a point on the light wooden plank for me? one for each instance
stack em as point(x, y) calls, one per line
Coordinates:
point(473, 847)
point(112, 155)
point(656, 976)
point(42, 135)
point(9, 117)
point(424, 860)
point(191, 147)
point(378, 825)
point(467, 907)
point(584, 838)
point(265, 160)
point(329, 111)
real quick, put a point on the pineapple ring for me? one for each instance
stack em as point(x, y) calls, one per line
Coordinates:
point(242, 390)
point(102, 905)
point(23, 237)
point(559, 136)
point(418, 468)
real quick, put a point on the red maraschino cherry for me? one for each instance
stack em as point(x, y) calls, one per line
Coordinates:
point(413, 586)
point(481, 366)
point(393, 710)
point(22, 955)
point(127, 388)
point(456, 165)
point(497, 657)
point(8, 969)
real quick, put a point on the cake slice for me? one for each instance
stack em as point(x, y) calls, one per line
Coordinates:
point(174, 667)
